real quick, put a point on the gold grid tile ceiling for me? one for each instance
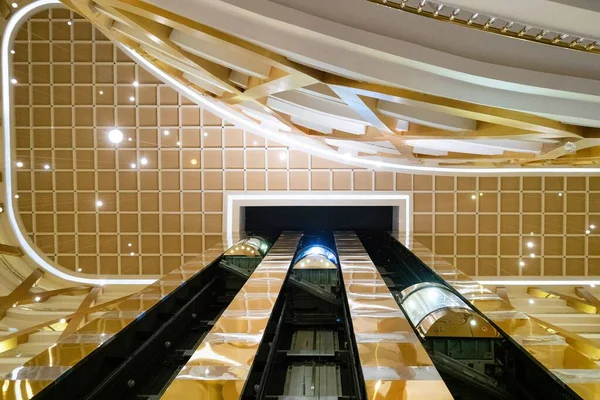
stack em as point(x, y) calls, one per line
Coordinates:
point(74, 86)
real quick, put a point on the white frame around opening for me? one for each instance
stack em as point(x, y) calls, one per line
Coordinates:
point(235, 202)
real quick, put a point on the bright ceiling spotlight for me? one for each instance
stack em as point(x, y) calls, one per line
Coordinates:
point(132, 165)
point(166, 132)
point(205, 134)
point(473, 322)
point(16, 196)
point(560, 194)
point(194, 161)
point(99, 203)
point(13, 81)
point(136, 84)
point(521, 263)
point(69, 23)
point(79, 270)
point(592, 226)
point(19, 164)
point(531, 301)
point(101, 92)
point(14, 5)
point(587, 231)
point(131, 98)
point(62, 321)
point(37, 298)
point(115, 136)
point(46, 166)
point(532, 255)
point(12, 52)
point(473, 197)
point(1, 209)
point(144, 161)
point(530, 245)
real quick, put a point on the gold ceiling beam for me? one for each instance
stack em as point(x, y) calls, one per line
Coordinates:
point(588, 296)
point(279, 81)
point(9, 250)
point(44, 296)
point(573, 302)
point(22, 290)
point(459, 108)
point(79, 316)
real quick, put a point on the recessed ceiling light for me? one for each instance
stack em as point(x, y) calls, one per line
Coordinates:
point(166, 133)
point(587, 231)
point(62, 321)
point(530, 245)
point(178, 143)
point(132, 253)
point(79, 270)
point(12, 52)
point(16, 196)
point(129, 139)
point(69, 23)
point(115, 136)
point(1, 209)
point(144, 161)
point(136, 84)
point(560, 194)
point(129, 245)
point(473, 197)
point(480, 194)
point(205, 134)
point(194, 161)
point(131, 98)
point(101, 92)
point(37, 298)
point(13, 81)
point(532, 255)
point(592, 226)
point(473, 322)
point(531, 301)
point(99, 203)
point(521, 263)
point(14, 5)
point(19, 164)
point(46, 166)
point(132, 165)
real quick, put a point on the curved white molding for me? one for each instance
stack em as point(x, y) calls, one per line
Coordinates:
point(214, 106)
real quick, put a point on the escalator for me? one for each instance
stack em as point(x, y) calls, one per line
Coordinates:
point(476, 358)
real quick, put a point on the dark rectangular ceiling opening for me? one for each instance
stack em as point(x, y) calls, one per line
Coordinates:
point(318, 218)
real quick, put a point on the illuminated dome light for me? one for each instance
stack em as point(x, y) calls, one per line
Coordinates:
point(12, 52)
point(532, 255)
point(530, 245)
point(587, 231)
point(592, 226)
point(14, 5)
point(560, 194)
point(115, 136)
point(37, 298)
point(1, 209)
point(166, 132)
point(178, 143)
point(16, 196)
point(136, 83)
point(205, 134)
point(480, 194)
point(19, 164)
point(144, 161)
point(473, 197)
point(194, 161)
point(101, 92)
point(69, 23)
point(132, 253)
point(531, 301)
point(46, 166)
point(473, 322)
point(13, 81)
point(521, 263)
point(99, 203)
point(79, 270)
point(133, 165)
point(131, 98)
point(62, 321)
point(129, 244)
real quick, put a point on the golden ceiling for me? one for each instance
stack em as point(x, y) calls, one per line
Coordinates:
point(74, 86)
